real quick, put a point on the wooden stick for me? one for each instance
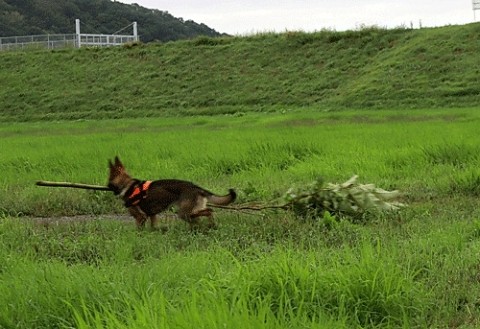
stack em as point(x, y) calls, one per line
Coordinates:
point(73, 185)
point(241, 207)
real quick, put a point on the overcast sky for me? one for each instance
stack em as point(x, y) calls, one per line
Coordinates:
point(252, 16)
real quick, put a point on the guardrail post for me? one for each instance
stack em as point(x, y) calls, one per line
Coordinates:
point(135, 31)
point(77, 32)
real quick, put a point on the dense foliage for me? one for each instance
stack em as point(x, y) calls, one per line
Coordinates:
point(27, 17)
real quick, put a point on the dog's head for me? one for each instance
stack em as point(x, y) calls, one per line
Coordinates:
point(118, 178)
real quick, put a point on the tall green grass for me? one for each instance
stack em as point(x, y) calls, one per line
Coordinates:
point(262, 155)
point(416, 268)
point(104, 274)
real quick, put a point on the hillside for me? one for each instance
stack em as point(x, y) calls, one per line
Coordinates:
point(30, 17)
point(370, 68)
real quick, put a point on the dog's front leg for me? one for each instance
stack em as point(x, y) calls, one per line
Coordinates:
point(139, 216)
point(153, 222)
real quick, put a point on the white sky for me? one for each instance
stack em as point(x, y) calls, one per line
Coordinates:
point(240, 17)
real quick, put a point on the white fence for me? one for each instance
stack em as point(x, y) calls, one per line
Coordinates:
point(103, 40)
point(49, 41)
point(77, 40)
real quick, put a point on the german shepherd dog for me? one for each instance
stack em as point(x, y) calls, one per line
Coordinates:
point(145, 199)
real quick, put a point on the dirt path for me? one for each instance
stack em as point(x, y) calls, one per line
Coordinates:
point(87, 218)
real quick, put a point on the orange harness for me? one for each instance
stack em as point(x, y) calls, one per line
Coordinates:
point(138, 193)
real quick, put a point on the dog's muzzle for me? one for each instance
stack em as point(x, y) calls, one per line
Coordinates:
point(116, 190)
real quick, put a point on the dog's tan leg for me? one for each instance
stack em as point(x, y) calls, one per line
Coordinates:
point(153, 222)
point(185, 207)
point(207, 212)
point(190, 210)
point(159, 223)
point(184, 213)
point(200, 210)
point(211, 221)
point(139, 216)
point(192, 221)
point(194, 224)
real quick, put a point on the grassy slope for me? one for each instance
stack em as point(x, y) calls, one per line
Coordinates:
point(325, 70)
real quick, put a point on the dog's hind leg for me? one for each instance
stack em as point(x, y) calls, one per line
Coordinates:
point(191, 209)
point(191, 220)
point(185, 206)
point(207, 212)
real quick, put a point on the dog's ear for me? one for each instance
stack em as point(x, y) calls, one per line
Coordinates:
point(118, 163)
point(110, 164)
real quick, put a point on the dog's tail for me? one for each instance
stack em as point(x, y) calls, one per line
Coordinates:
point(222, 200)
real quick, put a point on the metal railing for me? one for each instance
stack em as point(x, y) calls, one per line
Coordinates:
point(77, 40)
point(48, 41)
point(104, 40)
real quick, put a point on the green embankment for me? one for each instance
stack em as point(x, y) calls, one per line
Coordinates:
point(369, 68)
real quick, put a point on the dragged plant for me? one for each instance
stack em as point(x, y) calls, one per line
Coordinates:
point(349, 199)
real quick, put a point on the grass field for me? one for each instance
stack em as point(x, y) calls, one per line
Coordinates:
point(261, 114)
point(261, 154)
point(416, 268)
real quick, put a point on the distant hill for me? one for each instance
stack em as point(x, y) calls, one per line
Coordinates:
point(27, 17)
point(366, 69)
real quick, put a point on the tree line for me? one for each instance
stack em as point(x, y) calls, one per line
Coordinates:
point(30, 17)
